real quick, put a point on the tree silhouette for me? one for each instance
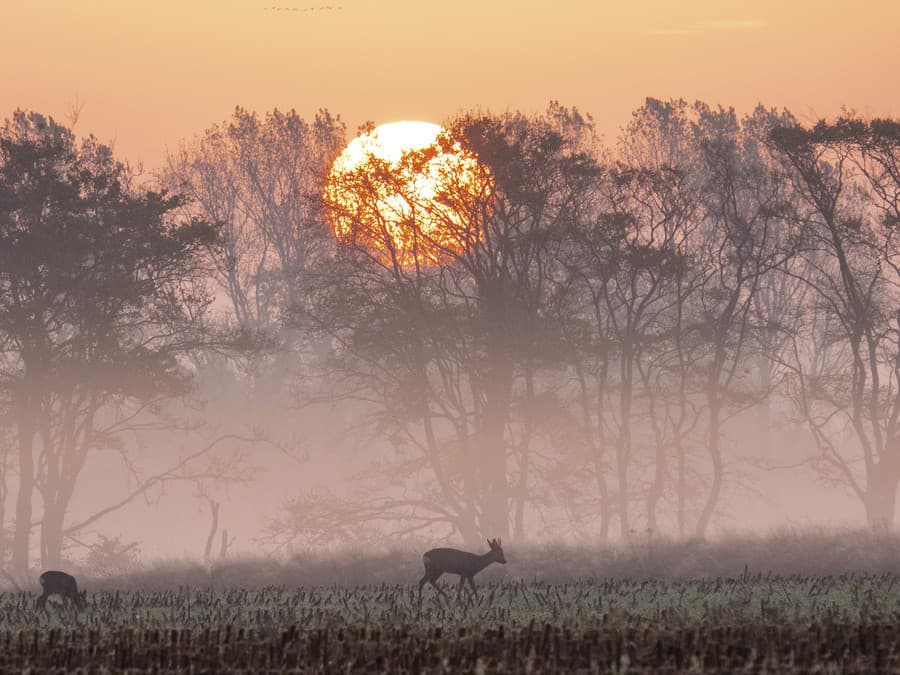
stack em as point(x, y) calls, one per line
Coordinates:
point(847, 178)
point(101, 295)
point(441, 346)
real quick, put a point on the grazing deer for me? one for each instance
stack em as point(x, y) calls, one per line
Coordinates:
point(60, 583)
point(439, 561)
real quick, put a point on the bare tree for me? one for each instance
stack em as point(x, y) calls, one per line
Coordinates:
point(627, 263)
point(695, 220)
point(102, 294)
point(262, 180)
point(746, 207)
point(846, 175)
point(440, 335)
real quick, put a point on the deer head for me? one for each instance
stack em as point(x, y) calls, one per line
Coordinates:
point(497, 550)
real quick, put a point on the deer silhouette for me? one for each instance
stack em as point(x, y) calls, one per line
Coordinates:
point(60, 583)
point(440, 561)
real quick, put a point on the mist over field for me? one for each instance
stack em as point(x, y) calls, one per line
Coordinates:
point(514, 329)
point(437, 337)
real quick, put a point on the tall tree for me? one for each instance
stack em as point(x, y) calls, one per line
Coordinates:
point(627, 261)
point(443, 335)
point(102, 293)
point(746, 207)
point(261, 179)
point(847, 176)
point(726, 212)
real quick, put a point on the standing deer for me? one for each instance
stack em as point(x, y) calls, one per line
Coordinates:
point(439, 561)
point(60, 583)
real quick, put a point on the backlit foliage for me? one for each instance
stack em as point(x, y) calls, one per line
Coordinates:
point(415, 208)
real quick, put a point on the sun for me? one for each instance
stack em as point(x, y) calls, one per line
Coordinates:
point(406, 193)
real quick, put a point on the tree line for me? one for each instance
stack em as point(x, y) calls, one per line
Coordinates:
point(571, 352)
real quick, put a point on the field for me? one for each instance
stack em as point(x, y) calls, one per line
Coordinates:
point(748, 621)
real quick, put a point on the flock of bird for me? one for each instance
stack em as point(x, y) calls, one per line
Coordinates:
point(323, 8)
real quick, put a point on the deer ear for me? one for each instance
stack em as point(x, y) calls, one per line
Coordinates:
point(498, 541)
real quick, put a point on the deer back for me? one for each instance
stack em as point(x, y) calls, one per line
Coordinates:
point(452, 560)
point(58, 582)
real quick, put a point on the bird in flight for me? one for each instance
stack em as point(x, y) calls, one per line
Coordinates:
point(322, 8)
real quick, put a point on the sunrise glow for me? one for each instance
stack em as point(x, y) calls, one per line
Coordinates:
point(397, 192)
point(308, 310)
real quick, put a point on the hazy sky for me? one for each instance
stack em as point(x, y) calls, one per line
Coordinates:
point(151, 73)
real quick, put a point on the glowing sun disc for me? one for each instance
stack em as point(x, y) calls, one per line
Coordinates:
point(389, 142)
point(405, 211)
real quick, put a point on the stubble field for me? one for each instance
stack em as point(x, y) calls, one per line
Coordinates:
point(749, 621)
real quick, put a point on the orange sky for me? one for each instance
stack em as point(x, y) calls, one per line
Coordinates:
point(151, 73)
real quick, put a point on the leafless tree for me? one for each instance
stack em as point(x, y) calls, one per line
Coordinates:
point(441, 337)
point(693, 222)
point(627, 263)
point(845, 377)
point(262, 180)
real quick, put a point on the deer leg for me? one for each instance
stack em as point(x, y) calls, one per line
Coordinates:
point(41, 602)
point(422, 582)
point(440, 590)
point(472, 584)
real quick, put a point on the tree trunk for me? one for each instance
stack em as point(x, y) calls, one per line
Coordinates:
point(467, 520)
point(763, 431)
point(57, 494)
point(606, 510)
point(524, 460)
point(52, 535)
point(26, 429)
point(62, 466)
point(606, 501)
point(715, 454)
point(213, 528)
point(597, 441)
point(521, 499)
point(226, 545)
point(495, 509)
point(657, 487)
point(465, 505)
point(682, 491)
point(4, 492)
point(623, 443)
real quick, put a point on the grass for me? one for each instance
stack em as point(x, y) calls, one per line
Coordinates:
point(756, 622)
point(751, 599)
point(790, 602)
